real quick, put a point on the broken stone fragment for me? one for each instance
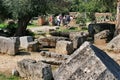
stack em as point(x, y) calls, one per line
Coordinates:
point(64, 47)
point(33, 70)
point(88, 63)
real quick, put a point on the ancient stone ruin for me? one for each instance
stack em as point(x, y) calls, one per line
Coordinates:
point(64, 47)
point(88, 63)
point(28, 43)
point(102, 37)
point(114, 44)
point(53, 58)
point(9, 45)
point(33, 70)
point(24, 41)
point(50, 41)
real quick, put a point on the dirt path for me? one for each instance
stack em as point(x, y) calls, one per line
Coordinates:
point(8, 63)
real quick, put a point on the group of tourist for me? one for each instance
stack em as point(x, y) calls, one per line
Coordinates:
point(58, 20)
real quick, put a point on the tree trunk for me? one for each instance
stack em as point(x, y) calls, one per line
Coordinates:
point(22, 25)
point(118, 19)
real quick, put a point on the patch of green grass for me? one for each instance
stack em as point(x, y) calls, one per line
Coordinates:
point(2, 25)
point(71, 29)
point(31, 25)
point(3, 77)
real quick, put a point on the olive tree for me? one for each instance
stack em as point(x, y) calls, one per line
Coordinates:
point(24, 10)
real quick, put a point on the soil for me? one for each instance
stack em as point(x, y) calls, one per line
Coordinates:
point(8, 63)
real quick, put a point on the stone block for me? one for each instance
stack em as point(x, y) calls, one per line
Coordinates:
point(8, 46)
point(25, 40)
point(102, 37)
point(78, 41)
point(50, 41)
point(33, 46)
point(33, 70)
point(72, 35)
point(64, 47)
point(114, 44)
point(88, 63)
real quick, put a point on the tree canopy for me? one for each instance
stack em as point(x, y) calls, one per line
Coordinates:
point(24, 10)
point(89, 7)
point(93, 5)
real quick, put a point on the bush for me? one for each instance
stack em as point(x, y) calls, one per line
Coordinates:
point(81, 20)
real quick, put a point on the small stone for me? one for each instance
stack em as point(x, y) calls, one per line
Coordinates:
point(15, 72)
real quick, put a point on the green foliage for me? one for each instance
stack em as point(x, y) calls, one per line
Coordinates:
point(22, 8)
point(81, 19)
point(92, 6)
point(3, 25)
point(3, 12)
point(71, 29)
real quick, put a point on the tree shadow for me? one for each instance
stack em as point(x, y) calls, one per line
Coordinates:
point(111, 65)
point(23, 53)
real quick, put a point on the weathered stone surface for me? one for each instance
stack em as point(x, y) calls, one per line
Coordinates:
point(72, 35)
point(16, 41)
point(15, 72)
point(54, 55)
point(53, 58)
point(98, 27)
point(64, 47)
point(8, 46)
point(50, 41)
point(88, 63)
point(33, 70)
point(78, 41)
point(106, 75)
point(60, 34)
point(33, 46)
point(114, 44)
point(102, 37)
point(25, 40)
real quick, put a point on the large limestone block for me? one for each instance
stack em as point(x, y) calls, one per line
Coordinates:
point(64, 47)
point(33, 46)
point(53, 58)
point(25, 40)
point(88, 63)
point(102, 37)
point(8, 46)
point(16, 41)
point(50, 41)
point(33, 70)
point(78, 41)
point(114, 44)
point(72, 35)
